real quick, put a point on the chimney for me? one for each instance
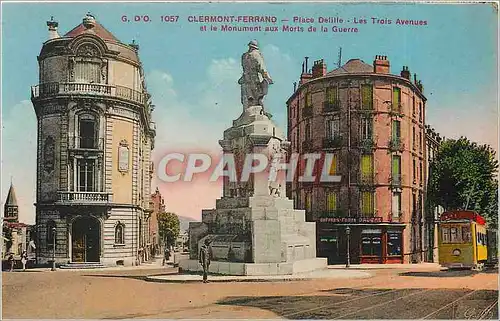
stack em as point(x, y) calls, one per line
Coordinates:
point(405, 73)
point(134, 45)
point(306, 74)
point(294, 86)
point(53, 28)
point(307, 59)
point(319, 69)
point(381, 65)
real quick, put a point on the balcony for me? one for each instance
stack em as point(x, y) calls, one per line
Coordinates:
point(307, 112)
point(395, 144)
point(367, 145)
point(367, 180)
point(396, 109)
point(48, 90)
point(307, 145)
point(86, 143)
point(332, 142)
point(84, 198)
point(331, 106)
point(333, 213)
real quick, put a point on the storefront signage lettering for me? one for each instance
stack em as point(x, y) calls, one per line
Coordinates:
point(351, 220)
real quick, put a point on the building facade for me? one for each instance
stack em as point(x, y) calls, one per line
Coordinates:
point(432, 212)
point(16, 236)
point(373, 123)
point(95, 137)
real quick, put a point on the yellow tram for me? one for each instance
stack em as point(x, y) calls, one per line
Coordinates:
point(462, 240)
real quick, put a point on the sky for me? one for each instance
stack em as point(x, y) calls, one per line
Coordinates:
point(192, 74)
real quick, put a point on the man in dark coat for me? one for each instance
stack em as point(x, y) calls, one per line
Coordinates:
point(204, 256)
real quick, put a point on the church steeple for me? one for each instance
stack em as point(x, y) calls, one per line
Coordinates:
point(11, 208)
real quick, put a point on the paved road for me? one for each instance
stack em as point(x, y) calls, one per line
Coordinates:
point(394, 294)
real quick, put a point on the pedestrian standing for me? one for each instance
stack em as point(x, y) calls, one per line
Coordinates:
point(24, 259)
point(204, 257)
point(166, 254)
point(11, 262)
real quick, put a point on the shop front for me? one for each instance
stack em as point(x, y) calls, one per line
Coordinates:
point(370, 240)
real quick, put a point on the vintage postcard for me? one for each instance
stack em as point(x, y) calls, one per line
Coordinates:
point(249, 160)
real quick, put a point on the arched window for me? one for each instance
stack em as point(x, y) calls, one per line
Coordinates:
point(120, 233)
point(51, 225)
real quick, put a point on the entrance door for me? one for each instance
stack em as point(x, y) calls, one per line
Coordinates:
point(85, 240)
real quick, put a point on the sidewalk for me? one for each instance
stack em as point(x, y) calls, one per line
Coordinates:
point(414, 266)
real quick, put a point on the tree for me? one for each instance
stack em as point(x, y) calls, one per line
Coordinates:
point(169, 227)
point(464, 176)
point(7, 233)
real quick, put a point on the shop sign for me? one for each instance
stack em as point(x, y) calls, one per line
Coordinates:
point(371, 220)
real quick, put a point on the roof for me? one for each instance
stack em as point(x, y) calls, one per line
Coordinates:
point(98, 30)
point(11, 197)
point(352, 66)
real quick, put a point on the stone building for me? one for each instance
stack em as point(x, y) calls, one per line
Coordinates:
point(16, 236)
point(373, 122)
point(432, 213)
point(158, 206)
point(95, 136)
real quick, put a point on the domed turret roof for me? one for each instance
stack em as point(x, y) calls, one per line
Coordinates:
point(90, 26)
point(351, 67)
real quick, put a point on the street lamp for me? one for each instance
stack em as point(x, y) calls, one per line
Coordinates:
point(348, 233)
point(53, 249)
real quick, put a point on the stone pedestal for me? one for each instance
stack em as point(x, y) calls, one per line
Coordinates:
point(254, 228)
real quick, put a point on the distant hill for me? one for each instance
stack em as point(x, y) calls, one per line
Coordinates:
point(184, 222)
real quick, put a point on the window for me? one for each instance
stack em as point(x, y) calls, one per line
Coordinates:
point(334, 128)
point(466, 235)
point(331, 95)
point(396, 129)
point(86, 172)
point(331, 202)
point(414, 139)
point(120, 233)
point(87, 72)
point(396, 204)
point(420, 112)
point(421, 172)
point(333, 165)
point(396, 99)
point(366, 128)
point(454, 237)
point(308, 100)
point(394, 243)
point(414, 170)
point(371, 245)
point(396, 169)
point(51, 225)
point(308, 131)
point(308, 201)
point(414, 107)
point(87, 131)
point(367, 167)
point(420, 141)
point(367, 96)
point(367, 204)
point(445, 234)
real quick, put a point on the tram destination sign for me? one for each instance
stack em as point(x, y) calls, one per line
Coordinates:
point(358, 220)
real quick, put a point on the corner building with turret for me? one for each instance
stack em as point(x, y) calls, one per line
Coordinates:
point(373, 123)
point(95, 137)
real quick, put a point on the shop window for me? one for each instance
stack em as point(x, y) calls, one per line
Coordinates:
point(371, 245)
point(394, 243)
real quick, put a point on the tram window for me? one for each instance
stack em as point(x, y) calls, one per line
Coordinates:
point(466, 237)
point(446, 234)
point(394, 244)
point(453, 235)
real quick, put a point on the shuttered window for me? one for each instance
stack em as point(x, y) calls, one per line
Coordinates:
point(331, 202)
point(366, 166)
point(366, 96)
point(331, 94)
point(87, 72)
point(396, 168)
point(367, 204)
point(396, 129)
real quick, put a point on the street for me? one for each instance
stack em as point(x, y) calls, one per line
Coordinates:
point(398, 293)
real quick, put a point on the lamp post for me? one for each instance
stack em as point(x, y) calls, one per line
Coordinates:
point(53, 249)
point(348, 233)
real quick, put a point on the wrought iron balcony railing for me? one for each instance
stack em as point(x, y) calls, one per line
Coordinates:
point(395, 144)
point(367, 145)
point(73, 88)
point(84, 197)
point(367, 179)
point(396, 180)
point(86, 143)
point(396, 108)
point(333, 213)
point(331, 106)
point(332, 142)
